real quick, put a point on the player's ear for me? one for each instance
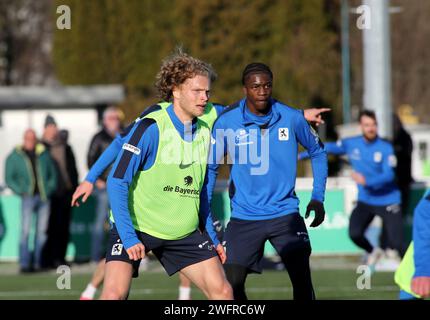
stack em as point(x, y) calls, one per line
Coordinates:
point(244, 90)
point(176, 92)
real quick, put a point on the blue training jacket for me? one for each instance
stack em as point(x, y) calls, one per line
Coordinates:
point(375, 160)
point(263, 153)
point(421, 237)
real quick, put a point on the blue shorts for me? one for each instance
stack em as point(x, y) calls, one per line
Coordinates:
point(245, 239)
point(173, 255)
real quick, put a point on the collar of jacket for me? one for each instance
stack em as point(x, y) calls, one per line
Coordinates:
point(247, 121)
point(38, 149)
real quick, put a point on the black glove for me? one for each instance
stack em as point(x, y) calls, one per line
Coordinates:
point(318, 208)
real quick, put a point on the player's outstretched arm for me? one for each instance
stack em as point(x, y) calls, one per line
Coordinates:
point(309, 139)
point(86, 188)
point(314, 115)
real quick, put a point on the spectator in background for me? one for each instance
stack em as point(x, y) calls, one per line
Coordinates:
point(403, 147)
point(99, 143)
point(31, 173)
point(59, 221)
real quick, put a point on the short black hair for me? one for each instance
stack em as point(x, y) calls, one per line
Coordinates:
point(256, 67)
point(367, 113)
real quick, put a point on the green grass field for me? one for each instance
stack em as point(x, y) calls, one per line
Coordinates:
point(155, 284)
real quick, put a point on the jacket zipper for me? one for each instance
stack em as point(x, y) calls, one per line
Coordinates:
point(30, 170)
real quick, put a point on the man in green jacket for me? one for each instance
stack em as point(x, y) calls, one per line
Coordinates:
point(30, 173)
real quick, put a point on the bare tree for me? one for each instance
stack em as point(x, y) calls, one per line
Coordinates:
point(26, 42)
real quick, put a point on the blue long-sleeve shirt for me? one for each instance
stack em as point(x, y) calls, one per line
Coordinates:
point(263, 152)
point(118, 184)
point(421, 237)
point(376, 161)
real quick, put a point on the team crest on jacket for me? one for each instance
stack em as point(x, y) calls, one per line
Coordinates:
point(283, 134)
point(377, 156)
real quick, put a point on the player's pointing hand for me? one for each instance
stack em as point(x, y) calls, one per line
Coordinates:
point(314, 115)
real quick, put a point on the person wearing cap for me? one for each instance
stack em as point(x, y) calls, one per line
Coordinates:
point(101, 140)
point(67, 174)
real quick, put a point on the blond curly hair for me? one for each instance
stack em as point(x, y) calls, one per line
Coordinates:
point(176, 69)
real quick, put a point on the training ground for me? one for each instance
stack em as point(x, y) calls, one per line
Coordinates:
point(334, 278)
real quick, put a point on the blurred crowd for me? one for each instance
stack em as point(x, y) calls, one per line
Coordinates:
point(43, 172)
